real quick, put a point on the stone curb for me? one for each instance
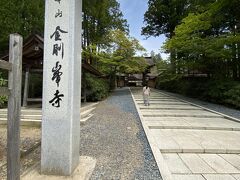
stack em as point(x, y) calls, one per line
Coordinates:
point(85, 115)
point(162, 166)
point(193, 128)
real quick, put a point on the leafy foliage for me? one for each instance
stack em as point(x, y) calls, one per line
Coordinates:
point(225, 92)
point(20, 16)
point(120, 56)
point(209, 40)
point(106, 43)
point(97, 89)
point(162, 65)
point(3, 99)
point(202, 35)
point(99, 19)
point(162, 16)
point(103, 24)
point(233, 96)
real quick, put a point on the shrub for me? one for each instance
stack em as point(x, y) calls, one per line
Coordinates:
point(223, 91)
point(97, 89)
point(216, 90)
point(233, 96)
point(3, 99)
point(168, 82)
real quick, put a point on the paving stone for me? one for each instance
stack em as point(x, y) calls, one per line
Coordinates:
point(181, 138)
point(223, 123)
point(171, 123)
point(138, 95)
point(177, 126)
point(211, 141)
point(170, 106)
point(209, 145)
point(211, 123)
point(188, 145)
point(181, 112)
point(233, 159)
point(158, 100)
point(175, 164)
point(218, 177)
point(164, 119)
point(188, 177)
point(165, 143)
point(176, 114)
point(218, 163)
point(212, 147)
point(226, 139)
point(236, 176)
point(196, 164)
point(233, 150)
point(157, 124)
point(220, 108)
point(181, 122)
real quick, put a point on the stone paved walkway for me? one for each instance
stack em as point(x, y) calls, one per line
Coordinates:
point(195, 144)
point(114, 136)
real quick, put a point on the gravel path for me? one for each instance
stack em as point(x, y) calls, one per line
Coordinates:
point(216, 107)
point(115, 137)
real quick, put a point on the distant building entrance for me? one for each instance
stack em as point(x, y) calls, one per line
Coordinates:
point(149, 76)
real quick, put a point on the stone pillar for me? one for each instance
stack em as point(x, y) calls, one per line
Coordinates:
point(61, 87)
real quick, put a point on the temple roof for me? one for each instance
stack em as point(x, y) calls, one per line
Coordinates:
point(149, 61)
point(33, 48)
point(32, 52)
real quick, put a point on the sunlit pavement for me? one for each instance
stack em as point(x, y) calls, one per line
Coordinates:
point(196, 144)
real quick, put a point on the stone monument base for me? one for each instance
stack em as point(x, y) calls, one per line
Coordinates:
point(82, 172)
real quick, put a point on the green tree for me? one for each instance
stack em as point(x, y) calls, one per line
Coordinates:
point(163, 16)
point(162, 65)
point(121, 56)
point(209, 40)
point(20, 16)
point(101, 17)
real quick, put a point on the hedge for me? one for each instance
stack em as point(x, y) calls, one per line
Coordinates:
point(97, 88)
point(224, 91)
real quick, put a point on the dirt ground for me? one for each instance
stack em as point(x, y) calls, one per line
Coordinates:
point(29, 136)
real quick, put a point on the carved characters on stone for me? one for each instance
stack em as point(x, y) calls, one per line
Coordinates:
point(58, 52)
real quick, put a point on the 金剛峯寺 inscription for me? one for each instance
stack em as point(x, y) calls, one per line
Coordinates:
point(58, 51)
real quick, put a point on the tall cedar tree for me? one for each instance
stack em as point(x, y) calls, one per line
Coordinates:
point(20, 16)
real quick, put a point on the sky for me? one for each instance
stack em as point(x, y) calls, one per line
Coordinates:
point(133, 11)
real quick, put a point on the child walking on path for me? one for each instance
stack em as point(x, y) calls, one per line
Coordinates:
point(146, 94)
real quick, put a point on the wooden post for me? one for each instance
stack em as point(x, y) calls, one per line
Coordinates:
point(14, 107)
point(26, 87)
